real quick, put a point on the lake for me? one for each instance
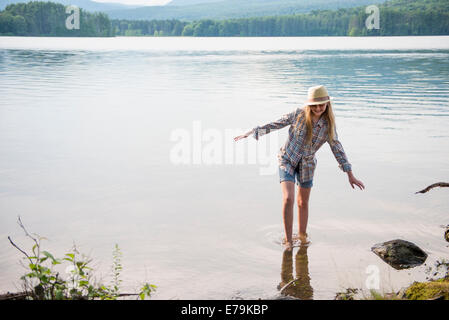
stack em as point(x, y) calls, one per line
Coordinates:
point(130, 141)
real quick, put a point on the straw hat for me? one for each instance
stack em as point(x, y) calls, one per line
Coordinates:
point(317, 95)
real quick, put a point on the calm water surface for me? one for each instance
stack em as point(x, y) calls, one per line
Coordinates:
point(87, 133)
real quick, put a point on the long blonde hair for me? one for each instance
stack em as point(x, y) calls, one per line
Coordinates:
point(306, 117)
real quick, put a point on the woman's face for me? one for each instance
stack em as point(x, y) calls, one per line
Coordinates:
point(318, 109)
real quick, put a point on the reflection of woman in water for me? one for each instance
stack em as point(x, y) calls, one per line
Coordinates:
point(310, 128)
point(300, 286)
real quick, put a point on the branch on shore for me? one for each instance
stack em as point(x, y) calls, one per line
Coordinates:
point(438, 184)
point(9, 238)
point(24, 295)
point(14, 296)
point(28, 235)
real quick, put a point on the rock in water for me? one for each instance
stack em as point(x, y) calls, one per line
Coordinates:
point(400, 254)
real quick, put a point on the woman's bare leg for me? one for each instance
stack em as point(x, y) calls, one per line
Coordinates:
point(288, 200)
point(303, 209)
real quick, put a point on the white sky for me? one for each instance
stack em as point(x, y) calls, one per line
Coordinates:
point(141, 2)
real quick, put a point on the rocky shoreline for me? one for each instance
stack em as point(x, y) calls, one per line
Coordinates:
point(430, 290)
point(401, 254)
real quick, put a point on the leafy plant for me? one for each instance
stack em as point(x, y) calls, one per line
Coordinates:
point(43, 282)
point(146, 291)
point(116, 269)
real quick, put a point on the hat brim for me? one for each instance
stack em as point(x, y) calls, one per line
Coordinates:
point(318, 102)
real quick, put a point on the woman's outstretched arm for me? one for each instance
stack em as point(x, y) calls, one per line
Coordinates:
point(342, 159)
point(258, 131)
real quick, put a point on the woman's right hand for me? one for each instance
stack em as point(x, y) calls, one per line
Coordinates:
point(241, 136)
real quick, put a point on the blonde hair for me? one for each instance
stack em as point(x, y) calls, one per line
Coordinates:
point(306, 118)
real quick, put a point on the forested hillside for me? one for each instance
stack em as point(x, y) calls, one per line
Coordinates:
point(87, 5)
point(49, 19)
point(397, 17)
point(231, 9)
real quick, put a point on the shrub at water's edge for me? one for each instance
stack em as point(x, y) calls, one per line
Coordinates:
point(436, 289)
point(42, 281)
point(430, 290)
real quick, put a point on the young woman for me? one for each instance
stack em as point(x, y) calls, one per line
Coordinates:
point(310, 128)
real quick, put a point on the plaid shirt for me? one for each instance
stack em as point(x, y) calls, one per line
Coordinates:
point(296, 154)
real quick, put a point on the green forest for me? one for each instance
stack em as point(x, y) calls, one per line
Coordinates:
point(49, 19)
point(397, 18)
point(232, 9)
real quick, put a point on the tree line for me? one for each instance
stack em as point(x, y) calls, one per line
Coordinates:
point(397, 18)
point(49, 19)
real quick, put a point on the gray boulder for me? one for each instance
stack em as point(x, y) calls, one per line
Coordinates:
point(400, 254)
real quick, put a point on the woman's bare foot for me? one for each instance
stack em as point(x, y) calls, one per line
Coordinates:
point(288, 245)
point(304, 238)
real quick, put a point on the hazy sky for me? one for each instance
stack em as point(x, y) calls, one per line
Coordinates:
point(142, 2)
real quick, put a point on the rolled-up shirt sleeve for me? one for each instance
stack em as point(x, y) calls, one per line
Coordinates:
point(285, 120)
point(340, 155)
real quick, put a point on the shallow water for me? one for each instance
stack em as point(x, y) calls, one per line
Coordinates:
point(88, 128)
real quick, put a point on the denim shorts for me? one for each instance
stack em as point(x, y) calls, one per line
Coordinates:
point(284, 176)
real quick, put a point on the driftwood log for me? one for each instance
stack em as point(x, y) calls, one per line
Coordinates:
point(438, 184)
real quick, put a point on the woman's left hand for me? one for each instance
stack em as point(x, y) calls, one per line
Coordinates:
point(353, 181)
